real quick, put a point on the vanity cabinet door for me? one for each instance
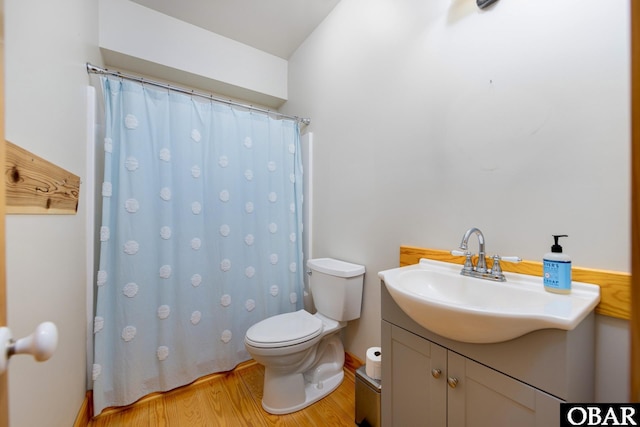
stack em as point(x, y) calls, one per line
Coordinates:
point(485, 397)
point(414, 390)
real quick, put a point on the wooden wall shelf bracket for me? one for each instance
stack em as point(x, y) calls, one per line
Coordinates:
point(36, 186)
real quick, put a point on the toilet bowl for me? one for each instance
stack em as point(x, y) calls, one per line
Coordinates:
point(302, 352)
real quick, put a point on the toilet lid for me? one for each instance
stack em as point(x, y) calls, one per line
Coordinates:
point(285, 329)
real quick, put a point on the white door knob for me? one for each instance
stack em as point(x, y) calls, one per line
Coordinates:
point(41, 344)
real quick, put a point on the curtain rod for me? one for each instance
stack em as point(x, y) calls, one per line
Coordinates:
point(97, 70)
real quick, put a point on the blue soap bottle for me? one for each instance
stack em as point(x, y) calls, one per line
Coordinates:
point(557, 269)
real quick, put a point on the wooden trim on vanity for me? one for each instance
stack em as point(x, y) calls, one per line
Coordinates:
point(615, 287)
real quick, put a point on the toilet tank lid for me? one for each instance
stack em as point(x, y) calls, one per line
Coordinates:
point(335, 267)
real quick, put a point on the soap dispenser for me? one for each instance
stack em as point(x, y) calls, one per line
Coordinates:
point(557, 269)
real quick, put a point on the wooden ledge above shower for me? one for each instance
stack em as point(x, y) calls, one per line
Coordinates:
point(37, 186)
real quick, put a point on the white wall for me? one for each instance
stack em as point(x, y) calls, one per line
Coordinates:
point(143, 40)
point(47, 46)
point(430, 117)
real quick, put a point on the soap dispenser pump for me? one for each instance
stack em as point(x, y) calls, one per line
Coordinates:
point(557, 269)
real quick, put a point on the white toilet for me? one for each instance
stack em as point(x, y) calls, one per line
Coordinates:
point(302, 353)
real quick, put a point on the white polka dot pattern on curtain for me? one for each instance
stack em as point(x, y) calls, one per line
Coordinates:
point(200, 238)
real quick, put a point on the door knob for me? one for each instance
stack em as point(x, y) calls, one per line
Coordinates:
point(41, 344)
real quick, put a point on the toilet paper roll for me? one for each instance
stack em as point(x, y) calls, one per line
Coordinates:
point(373, 366)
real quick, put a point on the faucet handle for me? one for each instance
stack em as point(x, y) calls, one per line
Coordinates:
point(496, 269)
point(468, 265)
point(456, 252)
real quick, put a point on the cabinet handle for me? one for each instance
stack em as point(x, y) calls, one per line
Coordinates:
point(436, 373)
point(452, 381)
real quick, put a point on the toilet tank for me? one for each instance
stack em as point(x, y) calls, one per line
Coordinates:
point(336, 287)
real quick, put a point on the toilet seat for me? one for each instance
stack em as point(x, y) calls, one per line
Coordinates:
point(284, 330)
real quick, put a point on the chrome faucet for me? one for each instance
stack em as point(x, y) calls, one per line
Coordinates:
point(480, 269)
point(481, 265)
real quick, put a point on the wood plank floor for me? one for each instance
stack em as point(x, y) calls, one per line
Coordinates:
point(230, 399)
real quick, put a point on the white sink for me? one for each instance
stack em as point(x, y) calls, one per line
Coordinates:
point(436, 296)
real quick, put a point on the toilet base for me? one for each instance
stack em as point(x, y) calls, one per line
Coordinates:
point(312, 392)
point(285, 393)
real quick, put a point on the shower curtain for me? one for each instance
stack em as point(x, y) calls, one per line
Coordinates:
point(200, 237)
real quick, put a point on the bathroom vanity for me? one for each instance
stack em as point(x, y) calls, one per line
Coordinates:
point(429, 380)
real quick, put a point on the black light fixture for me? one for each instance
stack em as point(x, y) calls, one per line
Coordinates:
point(484, 3)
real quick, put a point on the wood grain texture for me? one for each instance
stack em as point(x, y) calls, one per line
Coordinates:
point(615, 287)
point(86, 411)
point(351, 362)
point(36, 186)
point(230, 399)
